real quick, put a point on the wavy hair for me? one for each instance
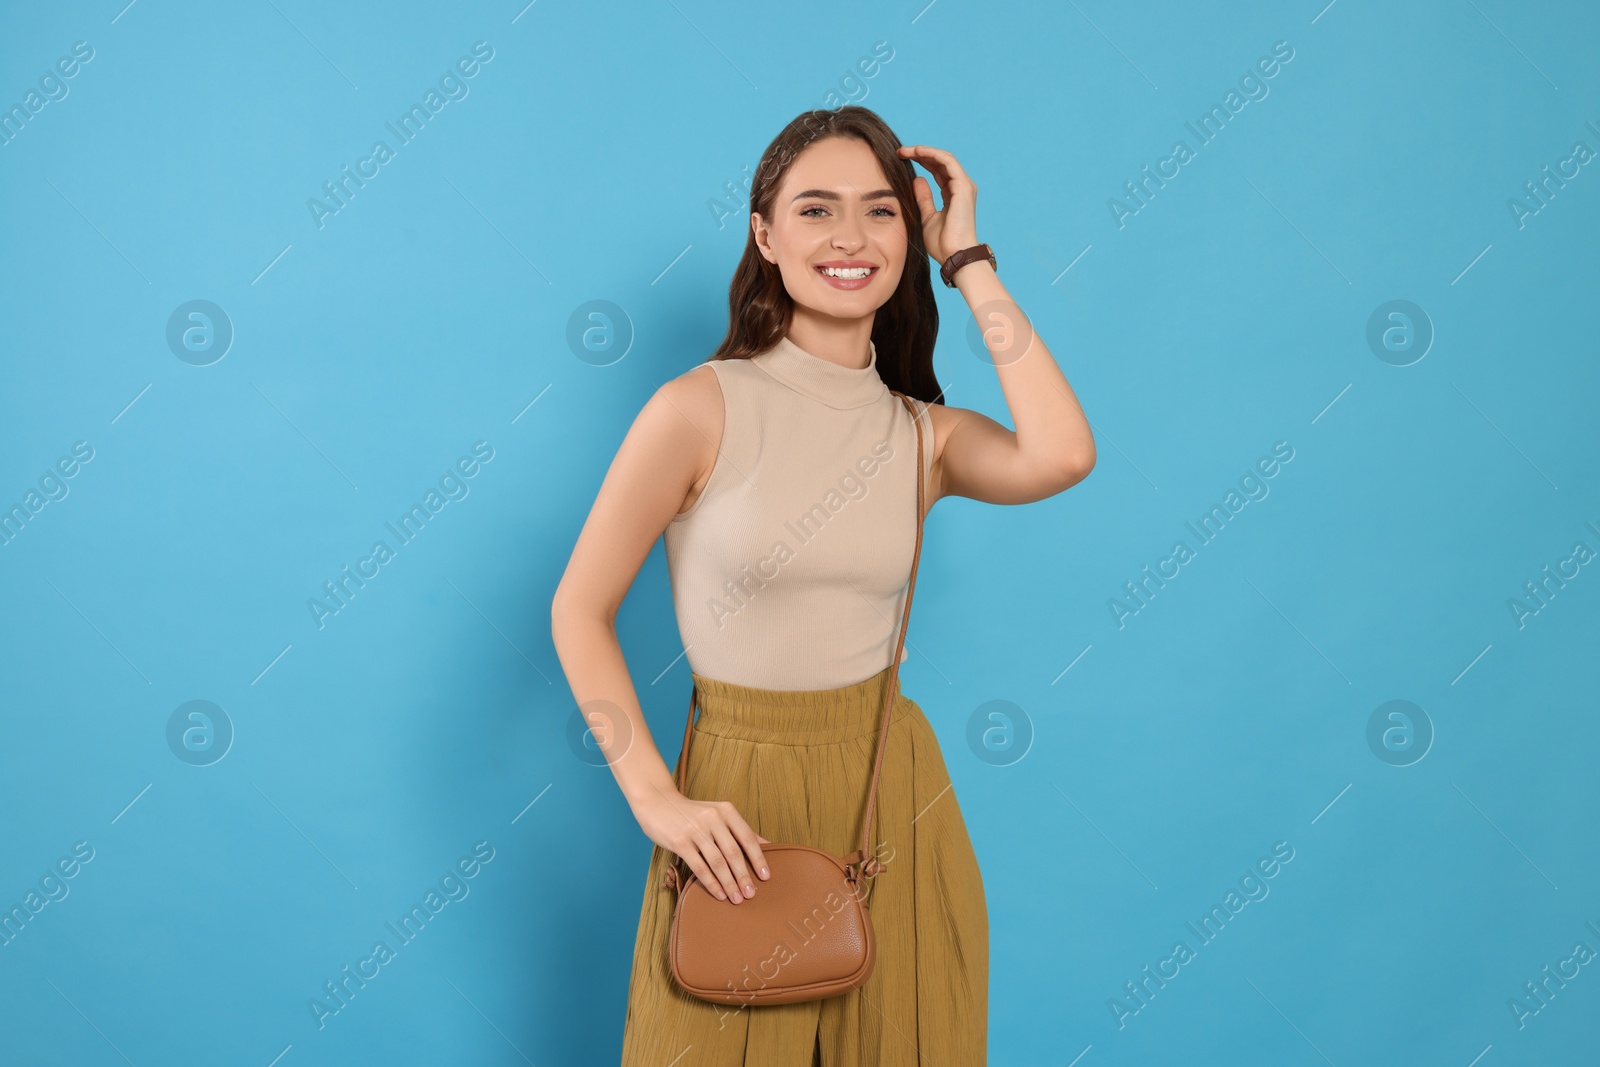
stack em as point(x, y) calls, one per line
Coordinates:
point(760, 307)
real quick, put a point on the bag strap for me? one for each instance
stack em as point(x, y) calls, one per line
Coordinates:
point(860, 859)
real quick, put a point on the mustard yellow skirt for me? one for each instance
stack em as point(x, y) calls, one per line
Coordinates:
point(796, 765)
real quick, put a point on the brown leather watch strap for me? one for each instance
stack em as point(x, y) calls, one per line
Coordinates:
point(961, 259)
point(863, 856)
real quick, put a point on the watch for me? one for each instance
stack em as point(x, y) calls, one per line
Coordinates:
point(961, 259)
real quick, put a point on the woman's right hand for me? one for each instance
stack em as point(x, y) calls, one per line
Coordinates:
point(711, 837)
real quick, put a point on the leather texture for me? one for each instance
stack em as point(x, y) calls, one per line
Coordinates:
point(960, 259)
point(808, 933)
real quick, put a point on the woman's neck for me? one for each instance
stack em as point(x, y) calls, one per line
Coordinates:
point(841, 341)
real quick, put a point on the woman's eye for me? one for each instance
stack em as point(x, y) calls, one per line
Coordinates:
point(888, 212)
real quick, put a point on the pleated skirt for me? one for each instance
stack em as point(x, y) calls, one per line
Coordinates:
point(797, 765)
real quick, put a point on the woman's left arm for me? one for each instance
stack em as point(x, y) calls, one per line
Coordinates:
point(1052, 448)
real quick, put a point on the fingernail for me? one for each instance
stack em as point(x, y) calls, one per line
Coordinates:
point(763, 872)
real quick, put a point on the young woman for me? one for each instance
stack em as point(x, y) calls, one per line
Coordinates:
point(782, 473)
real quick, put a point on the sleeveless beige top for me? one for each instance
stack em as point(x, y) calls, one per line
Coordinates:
point(790, 569)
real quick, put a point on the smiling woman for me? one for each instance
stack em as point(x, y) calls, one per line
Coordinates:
point(803, 736)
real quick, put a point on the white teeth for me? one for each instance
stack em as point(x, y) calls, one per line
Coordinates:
point(847, 272)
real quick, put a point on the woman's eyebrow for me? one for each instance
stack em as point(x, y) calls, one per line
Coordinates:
point(829, 194)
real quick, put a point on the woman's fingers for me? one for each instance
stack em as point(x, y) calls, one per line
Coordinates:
point(692, 855)
point(940, 161)
point(722, 882)
point(723, 852)
point(714, 855)
point(738, 870)
point(752, 846)
point(954, 184)
point(924, 195)
point(702, 872)
point(941, 164)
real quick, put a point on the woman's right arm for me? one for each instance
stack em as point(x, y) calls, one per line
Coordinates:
point(667, 454)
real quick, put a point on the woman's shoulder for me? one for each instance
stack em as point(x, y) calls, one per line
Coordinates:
point(699, 386)
point(705, 386)
point(697, 396)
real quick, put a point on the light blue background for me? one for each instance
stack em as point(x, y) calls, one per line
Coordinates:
point(1228, 314)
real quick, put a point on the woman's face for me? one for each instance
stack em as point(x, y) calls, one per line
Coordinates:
point(834, 209)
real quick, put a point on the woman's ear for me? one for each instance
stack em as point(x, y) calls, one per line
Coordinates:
point(762, 234)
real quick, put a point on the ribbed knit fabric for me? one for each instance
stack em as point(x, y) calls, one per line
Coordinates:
point(790, 568)
point(797, 765)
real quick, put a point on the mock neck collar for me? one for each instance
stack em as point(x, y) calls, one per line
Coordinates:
point(821, 379)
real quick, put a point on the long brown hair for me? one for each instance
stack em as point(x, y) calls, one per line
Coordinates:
point(760, 308)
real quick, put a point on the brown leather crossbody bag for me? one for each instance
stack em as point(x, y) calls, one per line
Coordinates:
point(807, 934)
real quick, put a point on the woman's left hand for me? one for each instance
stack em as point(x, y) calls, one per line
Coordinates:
point(947, 230)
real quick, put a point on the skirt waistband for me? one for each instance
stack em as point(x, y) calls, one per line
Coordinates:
point(795, 716)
